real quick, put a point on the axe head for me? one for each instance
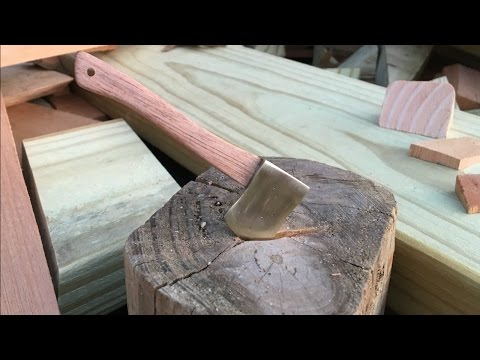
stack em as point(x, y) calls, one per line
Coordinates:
point(269, 198)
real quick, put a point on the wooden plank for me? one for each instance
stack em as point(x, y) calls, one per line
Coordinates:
point(354, 73)
point(26, 285)
point(277, 107)
point(457, 153)
point(405, 62)
point(21, 83)
point(16, 54)
point(74, 104)
point(418, 107)
point(94, 186)
point(364, 58)
point(31, 120)
point(467, 188)
point(466, 83)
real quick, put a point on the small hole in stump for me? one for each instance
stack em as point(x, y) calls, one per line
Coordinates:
point(90, 71)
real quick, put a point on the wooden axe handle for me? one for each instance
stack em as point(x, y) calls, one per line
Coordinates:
point(103, 79)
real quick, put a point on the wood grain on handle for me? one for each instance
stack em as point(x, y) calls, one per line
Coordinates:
point(101, 78)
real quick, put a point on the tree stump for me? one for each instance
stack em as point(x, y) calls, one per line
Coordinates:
point(334, 255)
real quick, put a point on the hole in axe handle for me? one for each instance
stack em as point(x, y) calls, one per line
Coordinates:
point(90, 71)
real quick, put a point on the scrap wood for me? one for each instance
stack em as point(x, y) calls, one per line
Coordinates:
point(467, 188)
point(26, 284)
point(74, 104)
point(109, 184)
point(16, 54)
point(458, 153)
point(32, 120)
point(418, 107)
point(466, 82)
point(24, 82)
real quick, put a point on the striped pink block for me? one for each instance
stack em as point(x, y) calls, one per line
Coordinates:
point(419, 107)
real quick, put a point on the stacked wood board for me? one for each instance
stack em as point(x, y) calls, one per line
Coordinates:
point(273, 106)
point(25, 282)
point(91, 187)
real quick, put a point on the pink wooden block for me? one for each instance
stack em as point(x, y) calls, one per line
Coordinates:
point(419, 107)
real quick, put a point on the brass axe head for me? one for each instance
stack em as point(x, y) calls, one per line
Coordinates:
point(269, 198)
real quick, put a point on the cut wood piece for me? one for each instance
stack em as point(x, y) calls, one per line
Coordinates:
point(466, 82)
point(21, 83)
point(406, 61)
point(278, 107)
point(350, 72)
point(333, 256)
point(364, 58)
point(26, 285)
point(74, 104)
point(16, 54)
point(444, 80)
point(31, 120)
point(458, 153)
point(93, 186)
point(467, 188)
point(418, 107)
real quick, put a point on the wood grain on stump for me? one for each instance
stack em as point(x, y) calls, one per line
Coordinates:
point(333, 257)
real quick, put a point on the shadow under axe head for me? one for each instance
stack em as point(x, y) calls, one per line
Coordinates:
point(269, 198)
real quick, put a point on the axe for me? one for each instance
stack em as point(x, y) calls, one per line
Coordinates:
point(271, 193)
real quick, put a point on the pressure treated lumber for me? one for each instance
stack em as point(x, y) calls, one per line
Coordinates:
point(31, 120)
point(333, 256)
point(467, 187)
point(26, 285)
point(405, 62)
point(418, 107)
point(74, 104)
point(350, 72)
point(364, 58)
point(458, 153)
point(277, 107)
point(21, 83)
point(16, 54)
point(93, 186)
point(466, 82)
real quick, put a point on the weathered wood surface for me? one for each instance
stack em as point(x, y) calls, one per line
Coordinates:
point(333, 255)
point(92, 187)
point(32, 120)
point(16, 54)
point(26, 285)
point(21, 83)
point(277, 107)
